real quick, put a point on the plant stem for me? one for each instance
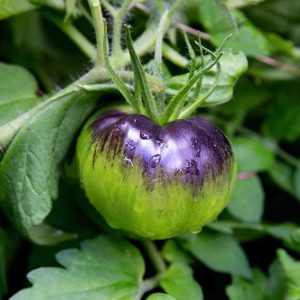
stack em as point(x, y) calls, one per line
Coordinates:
point(174, 57)
point(109, 7)
point(288, 158)
point(10, 129)
point(159, 45)
point(147, 285)
point(155, 256)
point(99, 30)
point(118, 20)
point(75, 35)
point(146, 41)
point(85, 13)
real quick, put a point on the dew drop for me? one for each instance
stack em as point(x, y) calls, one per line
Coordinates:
point(196, 144)
point(155, 160)
point(178, 172)
point(130, 149)
point(145, 136)
point(191, 168)
point(160, 142)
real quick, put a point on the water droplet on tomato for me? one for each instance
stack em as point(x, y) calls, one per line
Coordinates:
point(160, 142)
point(191, 168)
point(196, 144)
point(178, 172)
point(145, 135)
point(155, 160)
point(129, 149)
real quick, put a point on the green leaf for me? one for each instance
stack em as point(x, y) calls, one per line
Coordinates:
point(277, 44)
point(243, 3)
point(104, 268)
point(3, 245)
point(291, 271)
point(248, 290)
point(29, 171)
point(247, 38)
point(232, 67)
point(283, 116)
point(160, 296)
point(292, 241)
point(18, 92)
point(252, 154)
point(247, 200)
point(45, 234)
point(267, 72)
point(10, 8)
point(178, 281)
point(286, 177)
point(276, 286)
point(278, 16)
point(282, 231)
point(172, 252)
point(16, 83)
point(261, 287)
point(297, 183)
point(248, 96)
point(220, 252)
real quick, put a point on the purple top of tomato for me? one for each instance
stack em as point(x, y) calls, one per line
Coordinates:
point(190, 151)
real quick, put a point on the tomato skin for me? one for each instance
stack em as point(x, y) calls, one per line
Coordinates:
point(155, 181)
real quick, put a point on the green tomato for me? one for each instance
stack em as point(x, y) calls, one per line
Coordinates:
point(155, 181)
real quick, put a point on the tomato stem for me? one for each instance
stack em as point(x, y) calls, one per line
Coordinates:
point(155, 256)
point(117, 27)
point(174, 57)
point(147, 285)
point(74, 34)
point(99, 29)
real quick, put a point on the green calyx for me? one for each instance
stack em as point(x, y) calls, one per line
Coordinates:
point(140, 96)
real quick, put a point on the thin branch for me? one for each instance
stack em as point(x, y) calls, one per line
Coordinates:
point(108, 7)
point(99, 29)
point(74, 34)
point(278, 64)
point(262, 58)
point(155, 256)
point(193, 31)
point(173, 56)
point(288, 158)
point(147, 285)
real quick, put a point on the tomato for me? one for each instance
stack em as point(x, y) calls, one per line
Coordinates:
point(155, 181)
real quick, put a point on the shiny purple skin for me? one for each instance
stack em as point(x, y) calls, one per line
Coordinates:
point(189, 151)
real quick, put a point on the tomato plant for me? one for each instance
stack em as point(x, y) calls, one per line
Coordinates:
point(150, 148)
